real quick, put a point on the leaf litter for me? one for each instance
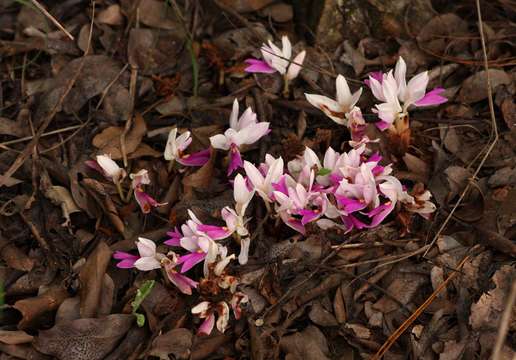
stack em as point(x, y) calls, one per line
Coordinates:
point(320, 293)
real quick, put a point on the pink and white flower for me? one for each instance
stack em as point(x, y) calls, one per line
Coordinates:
point(245, 130)
point(107, 167)
point(143, 199)
point(276, 59)
point(338, 110)
point(397, 95)
point(182, 282)
point(176, 145)
point(207, 310)
point(263, 183)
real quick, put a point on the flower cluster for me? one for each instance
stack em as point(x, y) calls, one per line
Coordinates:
point(344, 190)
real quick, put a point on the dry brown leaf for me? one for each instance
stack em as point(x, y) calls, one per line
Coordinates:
point(111, 15)
point(69, 310)
point(243, 6)
point(279, 12)
point(177, 342)
point(435, 35)
point(309, 344)
point(487, 311)
point(14, 257)
point(108, 141)
point(320, 316)
point(61, 196)
point(84, 339)
point(474, 88)
point(32, 308)
point(92, 278)
point(158, 14)
point(15, 337)
point(11, 127)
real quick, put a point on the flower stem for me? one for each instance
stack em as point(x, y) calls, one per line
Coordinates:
point(285, 87)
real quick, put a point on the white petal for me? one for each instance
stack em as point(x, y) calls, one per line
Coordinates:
point(171, 151)
point(240, 192)
point(248, 118)
point(287, 47)
point(110, 167)
point(330, 158)
point(221, 265)
point(233, 118)
point(343, 92)
point(219, 141)
point(146, 247)
point(252, 133)
point(201, 307)
point(147, 264)
point(354, 99)
point(376, 88)
point(311, 158)
point(223, 320)
point(328, 106)
point(400, 74)
point(183, 140)
point(253, 174)
point(416, 88)
point(243, 257)
point(296, 65)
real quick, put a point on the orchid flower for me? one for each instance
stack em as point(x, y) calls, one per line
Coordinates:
point(397, 95)
point(107, 167)
point(149, 259)
point(420, 203)
point(207, 310)
point(198, 243)
point(145, 201)
point(276, 59)
point(245, 130)
point(176, 145)
point(338, 110)
point(263, 183)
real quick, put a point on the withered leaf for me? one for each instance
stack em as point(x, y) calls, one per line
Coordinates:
point(108, 141)
point(111, 15)
point(10, 127)
point(92, 278)
point(176, 341)
point(202, 178)
point(474, 88)
point(15, 337)
point(84, 339)
point(32, 308)
point(309, 344)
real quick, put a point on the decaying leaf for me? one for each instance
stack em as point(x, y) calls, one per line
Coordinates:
point(61, 196)
point(177, 342)
point(92, 279)
point(474, 88)
point(111, 15)
point(108, 141)
point(308, 344)
point(32, 308)
point(84, 339)
point(15, 337)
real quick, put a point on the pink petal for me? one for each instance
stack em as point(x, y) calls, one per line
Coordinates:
point(309, 216)
point(190, 260)
point(380, 213)
point(128, 260)
point(350, 205)
point(175, 238)
point(235, 160)
point(281, 185)
point(214, 232)
point(382, 125)
point(258, 66)
point(145, 201)
point(432, 98)
point(196, 159)
point(92, 164)
point(207, 326)
point(183, 283)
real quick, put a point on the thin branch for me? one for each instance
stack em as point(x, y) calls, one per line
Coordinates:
point(51, 18)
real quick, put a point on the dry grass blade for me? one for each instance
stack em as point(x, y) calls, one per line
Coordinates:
point(392, 339)
point(53, 19)
point(493, 137)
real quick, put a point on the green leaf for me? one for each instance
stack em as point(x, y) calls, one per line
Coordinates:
point(141, 294)
point(324, 171)
point(140, 319)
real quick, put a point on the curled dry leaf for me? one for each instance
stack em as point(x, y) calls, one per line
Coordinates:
point(111, 15)
point(435, 35)
point(92, 279)
point(474, 88)
point(61, 196)
point(69, 310)
point(309, 344)
point(32, 308)
point(177, 342)
point(14, 257)
point(84, 339)
point(108, 141)
point(486, 313)
point(15, 337)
